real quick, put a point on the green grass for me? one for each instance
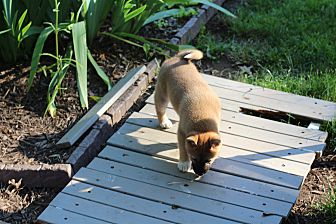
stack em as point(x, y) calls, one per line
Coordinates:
point(287, 34)
point(328, 207)
point(290, 43)
point(290, 34)
point(321, 85)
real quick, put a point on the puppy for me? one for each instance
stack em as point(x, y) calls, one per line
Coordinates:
point(198, 107)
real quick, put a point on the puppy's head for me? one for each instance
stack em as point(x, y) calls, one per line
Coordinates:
point(202, 149)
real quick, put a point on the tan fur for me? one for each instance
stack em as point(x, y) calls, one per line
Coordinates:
point(197, 106)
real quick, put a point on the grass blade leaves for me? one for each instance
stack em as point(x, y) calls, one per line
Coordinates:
point(56, 81)
point(100, 71)
point(37, 53)
point(4, 31)
point(80, 49)
point(204, 2)
point(161, 15)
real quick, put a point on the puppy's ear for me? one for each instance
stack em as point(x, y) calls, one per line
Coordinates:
point(191, 141)
point(215, 142)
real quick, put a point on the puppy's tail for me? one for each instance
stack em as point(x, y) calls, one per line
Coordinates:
point(191, 54)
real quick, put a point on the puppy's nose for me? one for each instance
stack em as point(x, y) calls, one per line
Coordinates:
point(200, 169)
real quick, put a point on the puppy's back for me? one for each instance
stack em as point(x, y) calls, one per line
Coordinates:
point(186, 88)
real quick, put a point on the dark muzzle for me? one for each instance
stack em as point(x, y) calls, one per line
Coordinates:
point(200, 168)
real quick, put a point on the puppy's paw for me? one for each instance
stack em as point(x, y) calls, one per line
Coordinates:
point(166, 123)
point(184, 166)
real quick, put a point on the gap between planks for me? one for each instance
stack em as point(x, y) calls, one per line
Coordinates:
point(163, 173)
point(233, 116)
point(232, 128)
point(233, 153)
point(155, 142)
point(320, 109)
point(297, 149)
point(99, 193)
point(173, 198)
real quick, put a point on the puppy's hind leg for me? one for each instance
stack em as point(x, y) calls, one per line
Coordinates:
point(161, 102)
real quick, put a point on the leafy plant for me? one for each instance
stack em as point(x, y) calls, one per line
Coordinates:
point(131, 15)
point(94, 13)
point(59, 69)
point(14, 29)
point(328, 207)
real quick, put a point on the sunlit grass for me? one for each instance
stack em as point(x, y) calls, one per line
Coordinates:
point(291, 45)
point(328, 207)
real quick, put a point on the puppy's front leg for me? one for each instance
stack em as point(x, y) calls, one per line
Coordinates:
point(184, 164)
point(161, 102)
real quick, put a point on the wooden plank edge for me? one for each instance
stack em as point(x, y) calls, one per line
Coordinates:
point(103, 128)
point(274, 94)
point(99, 108)
point(44, 175)
point(316, 126)
point(54, 214)
point(191, 29)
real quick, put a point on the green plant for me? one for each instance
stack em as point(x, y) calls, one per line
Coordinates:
point(328, 207)
point(94, 14)
point(131, 15)
point(294, 34)
point(330, 127)
point(62, 64)
point(59, 69)
point(15, 28)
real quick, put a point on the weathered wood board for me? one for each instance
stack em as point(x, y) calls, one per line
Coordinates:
point(256, 178)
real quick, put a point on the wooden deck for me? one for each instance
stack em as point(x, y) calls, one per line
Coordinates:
point(256, 179)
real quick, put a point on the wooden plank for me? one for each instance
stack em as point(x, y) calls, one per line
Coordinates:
point(228, 181)
point(252, 121)
point(230, 105)
point(315, 113)
point(231, 128)
point(221, 164)
point(173, 198)
point(314, 126)
point(99, 108)
point(164, 137)
point(54, 214)
point(99, 211)
point(228, 152)
point(138, 205)
point(269, 93)
point(165, 170)
point(291, 152)
point(161, 150)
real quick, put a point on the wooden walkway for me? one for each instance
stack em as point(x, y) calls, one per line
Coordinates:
point(256, 179)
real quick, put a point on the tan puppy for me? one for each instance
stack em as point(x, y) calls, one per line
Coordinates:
point(197, 106)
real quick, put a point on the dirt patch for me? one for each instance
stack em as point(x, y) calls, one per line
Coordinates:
point(315, 189)
point(28, 137)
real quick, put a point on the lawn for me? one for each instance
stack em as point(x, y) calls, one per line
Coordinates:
point(290, 45)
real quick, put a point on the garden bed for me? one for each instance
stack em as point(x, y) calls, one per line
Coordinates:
point(29, 140)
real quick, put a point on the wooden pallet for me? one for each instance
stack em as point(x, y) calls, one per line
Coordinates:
point(256, 179)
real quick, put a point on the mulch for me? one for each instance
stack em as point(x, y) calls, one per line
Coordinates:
point(29, 137)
